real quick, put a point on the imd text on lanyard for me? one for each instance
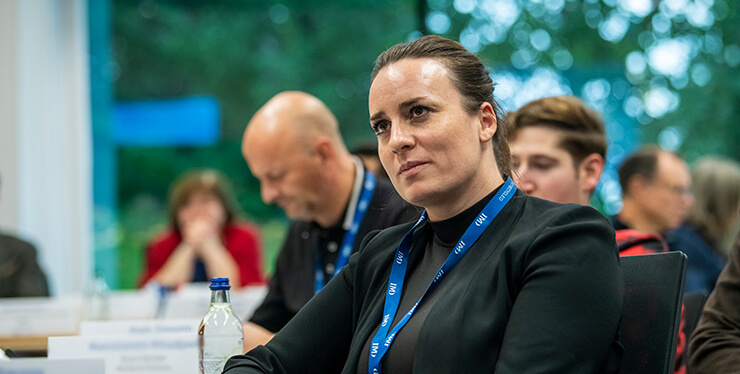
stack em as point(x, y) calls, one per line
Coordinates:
point(350, 235)
point(383, 338)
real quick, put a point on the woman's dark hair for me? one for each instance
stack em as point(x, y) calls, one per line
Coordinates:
point(468, 75)
point(209, 181)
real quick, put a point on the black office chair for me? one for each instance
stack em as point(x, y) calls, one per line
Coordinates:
point(653, 294)
point(693, 305)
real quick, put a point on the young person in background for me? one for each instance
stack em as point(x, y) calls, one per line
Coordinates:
point(558, 150)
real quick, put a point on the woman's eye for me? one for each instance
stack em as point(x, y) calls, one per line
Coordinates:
point(380, 127)
point(419, 110)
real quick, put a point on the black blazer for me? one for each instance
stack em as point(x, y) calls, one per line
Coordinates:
point(540, 292)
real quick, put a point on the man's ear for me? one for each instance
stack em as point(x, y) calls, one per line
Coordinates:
point(635, 185)
point(324, 149)
point(589, 171)
point(487, 120)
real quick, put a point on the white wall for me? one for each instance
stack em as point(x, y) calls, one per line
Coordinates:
point(8, 129)
point(45, 134)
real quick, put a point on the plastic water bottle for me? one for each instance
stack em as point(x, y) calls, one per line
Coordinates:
point(96, 299)
point(220, 334)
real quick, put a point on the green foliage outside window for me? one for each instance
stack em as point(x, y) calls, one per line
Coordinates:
point(664, 73)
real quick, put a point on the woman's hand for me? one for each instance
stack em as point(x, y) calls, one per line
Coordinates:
point(201, 232)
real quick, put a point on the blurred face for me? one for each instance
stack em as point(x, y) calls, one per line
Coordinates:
point(201, 205)
point(290, 176)
point(667, 199)
point(428, 143)
point(543, 169)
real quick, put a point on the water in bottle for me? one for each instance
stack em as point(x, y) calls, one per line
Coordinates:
point(95, 306)
point(220, 333)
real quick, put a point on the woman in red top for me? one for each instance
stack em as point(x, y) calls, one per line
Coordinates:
point(203, 240)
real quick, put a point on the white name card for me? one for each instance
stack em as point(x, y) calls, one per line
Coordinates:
point(139, 327)
point(137, 304)
point(46, 366)
point(140, 354)
point(245, 301)
point(193, 300)
point(41, 316)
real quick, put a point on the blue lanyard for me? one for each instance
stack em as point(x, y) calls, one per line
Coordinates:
point(383, 339)
point(368, 187)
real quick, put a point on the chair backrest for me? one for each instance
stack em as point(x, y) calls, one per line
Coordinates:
point(693, 304)
point(653, 294)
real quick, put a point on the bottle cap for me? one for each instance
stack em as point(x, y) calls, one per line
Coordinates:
point(220, 284)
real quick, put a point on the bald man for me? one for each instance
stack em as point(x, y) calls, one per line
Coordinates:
point(293, 146)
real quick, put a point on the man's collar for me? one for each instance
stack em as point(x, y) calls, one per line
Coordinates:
point(356, 189)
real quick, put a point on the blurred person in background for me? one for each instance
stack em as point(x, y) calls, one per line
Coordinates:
point(656, 192)
point(368, 153)
point(204, 239)
point(715, 344)
point(20, 273)
point(707, 235)
point(656, 198)
point(294, 147)
point(558, 151)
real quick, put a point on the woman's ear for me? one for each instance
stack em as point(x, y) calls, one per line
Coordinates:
point(488, 124)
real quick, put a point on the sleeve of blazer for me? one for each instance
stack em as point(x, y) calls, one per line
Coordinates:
point(715, 344)
point(316, 340)
point(566, 314)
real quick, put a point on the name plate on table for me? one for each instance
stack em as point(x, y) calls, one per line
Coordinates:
point(137, 304)
point(137, 327)
point(192, 301)
point(126, 354)
point(41, 316)
point(46, 366)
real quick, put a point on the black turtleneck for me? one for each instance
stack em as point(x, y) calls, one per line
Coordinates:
point(449, 231)
point(441, 237)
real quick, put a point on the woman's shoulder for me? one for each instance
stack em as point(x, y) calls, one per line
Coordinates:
point(548, 213)
point(544, 227)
